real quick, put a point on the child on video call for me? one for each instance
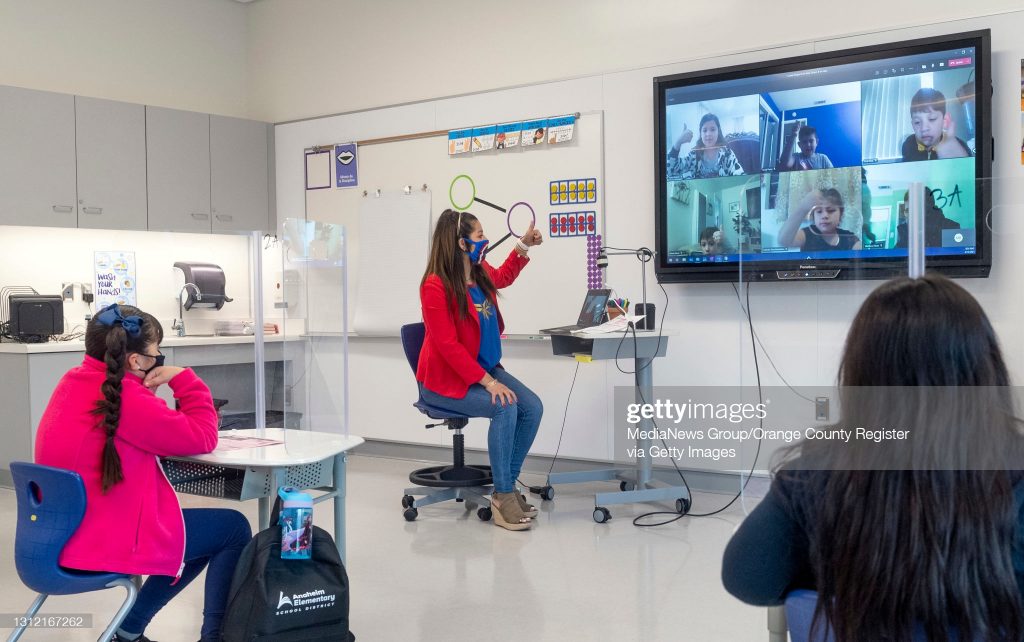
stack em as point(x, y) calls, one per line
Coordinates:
point(709, 157)
point(712, 241)
point(808, 158)
point(826, 210)
point(934, 134)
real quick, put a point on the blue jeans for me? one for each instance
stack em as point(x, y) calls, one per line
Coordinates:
point(214, 538)
point(513, 427)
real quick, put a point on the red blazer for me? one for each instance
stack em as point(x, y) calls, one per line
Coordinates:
point(448, 363)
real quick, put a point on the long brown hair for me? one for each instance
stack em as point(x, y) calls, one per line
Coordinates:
point(446, 260)
point(111, 344)
point(927, 546)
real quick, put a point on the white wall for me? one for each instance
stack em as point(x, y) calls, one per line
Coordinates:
point(802, 325)
point(315, 57)
point(186, 54)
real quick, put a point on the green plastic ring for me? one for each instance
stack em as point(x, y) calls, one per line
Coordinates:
point(461, 208)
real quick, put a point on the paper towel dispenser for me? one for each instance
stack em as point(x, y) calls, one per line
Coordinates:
point(209, 278)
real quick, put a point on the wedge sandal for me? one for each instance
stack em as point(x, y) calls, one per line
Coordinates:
point(507, 513)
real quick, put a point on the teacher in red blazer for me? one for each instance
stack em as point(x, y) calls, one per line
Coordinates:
point(459, 367)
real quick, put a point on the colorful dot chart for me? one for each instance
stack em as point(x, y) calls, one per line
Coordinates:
point(573, 190)
point(572, 224)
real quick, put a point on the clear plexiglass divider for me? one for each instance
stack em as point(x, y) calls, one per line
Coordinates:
point(809, 245)
point(305, 339)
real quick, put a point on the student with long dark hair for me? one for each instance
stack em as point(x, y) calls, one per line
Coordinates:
point(709, 157)
point(459, 367)
point(917, 534)
point(105, 422)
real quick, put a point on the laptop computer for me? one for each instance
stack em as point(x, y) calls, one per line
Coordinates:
point(592, 313)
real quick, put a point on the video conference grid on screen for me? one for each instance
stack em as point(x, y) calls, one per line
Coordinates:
point(817, 163)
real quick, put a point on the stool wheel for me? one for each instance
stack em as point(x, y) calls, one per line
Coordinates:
point(407, 501)
point(547, 493)
point(410, 514)
point(484, 514)
point(601, 515)
point(683, 505)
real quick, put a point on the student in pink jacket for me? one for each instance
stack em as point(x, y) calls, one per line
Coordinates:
point(105, 422)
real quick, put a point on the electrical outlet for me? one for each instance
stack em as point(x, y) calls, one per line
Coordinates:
point(821, 408)
point(67, 291)
point(87, 293)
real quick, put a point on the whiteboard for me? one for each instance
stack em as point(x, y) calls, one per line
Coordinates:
point(387, 296)
point(559, 265)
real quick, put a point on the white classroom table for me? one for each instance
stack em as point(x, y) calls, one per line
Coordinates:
point(305, 459)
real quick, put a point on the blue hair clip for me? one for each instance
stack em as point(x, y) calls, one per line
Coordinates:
point(112, 314)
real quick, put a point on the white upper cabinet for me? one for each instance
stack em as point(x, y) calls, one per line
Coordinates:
point(37, 158)
point(111, 150)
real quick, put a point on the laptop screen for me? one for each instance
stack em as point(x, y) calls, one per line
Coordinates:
point(594, 307)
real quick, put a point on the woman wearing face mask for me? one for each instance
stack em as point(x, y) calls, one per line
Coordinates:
point(459, 367)
point(105, 422)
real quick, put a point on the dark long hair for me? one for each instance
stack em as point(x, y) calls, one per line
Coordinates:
point(925, 542)
point(111, 344)
point(446, 259)
point(721, 135)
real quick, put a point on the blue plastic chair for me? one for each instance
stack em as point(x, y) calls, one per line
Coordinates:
point(800, 605)
point(458, 481)
point(51, 505)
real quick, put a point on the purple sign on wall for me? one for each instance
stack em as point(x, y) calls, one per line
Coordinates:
point(345, 165)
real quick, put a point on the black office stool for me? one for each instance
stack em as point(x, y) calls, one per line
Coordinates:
point(469, 484)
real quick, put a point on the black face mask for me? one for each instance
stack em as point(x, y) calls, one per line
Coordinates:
point(159, 362)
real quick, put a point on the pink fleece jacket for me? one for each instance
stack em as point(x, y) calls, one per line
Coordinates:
point(136, 527)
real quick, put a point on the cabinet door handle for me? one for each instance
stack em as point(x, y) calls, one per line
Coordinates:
point(92, 210)
point(63, 209)
point(201, 216)
point(224, 217)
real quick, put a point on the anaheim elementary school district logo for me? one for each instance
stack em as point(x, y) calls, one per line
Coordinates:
point(308, 601)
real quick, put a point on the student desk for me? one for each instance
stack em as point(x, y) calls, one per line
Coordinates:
point(637, 482)
point(305, 459)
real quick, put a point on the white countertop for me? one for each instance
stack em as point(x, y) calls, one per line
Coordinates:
point(172, 341)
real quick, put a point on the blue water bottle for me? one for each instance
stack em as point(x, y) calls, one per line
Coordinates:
point(296, 524)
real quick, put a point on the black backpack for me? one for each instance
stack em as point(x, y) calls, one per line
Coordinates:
point(289, 600)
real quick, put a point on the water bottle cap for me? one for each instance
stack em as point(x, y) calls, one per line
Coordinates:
point(291, 498)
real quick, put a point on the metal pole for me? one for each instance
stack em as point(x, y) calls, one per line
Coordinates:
point(643, 280)
point(915, 231)
point(257, 297)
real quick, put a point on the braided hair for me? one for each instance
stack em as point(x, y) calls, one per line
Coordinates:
point(112, 344)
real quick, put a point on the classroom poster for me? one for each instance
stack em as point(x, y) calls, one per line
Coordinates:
point(533, 132)
point(459, 141)
point(507, 136)
point(560, 129)
point(318, 169)
point(114, 280)
point(345, 165)
point(483, 138)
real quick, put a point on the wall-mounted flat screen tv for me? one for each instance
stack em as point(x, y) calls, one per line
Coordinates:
point(801, 168)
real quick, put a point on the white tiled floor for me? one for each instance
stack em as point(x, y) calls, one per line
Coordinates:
point(449, 576)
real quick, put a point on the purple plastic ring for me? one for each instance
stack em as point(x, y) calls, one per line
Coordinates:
point(508, 219)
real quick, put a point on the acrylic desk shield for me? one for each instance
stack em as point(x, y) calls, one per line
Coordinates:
point(311, 309)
